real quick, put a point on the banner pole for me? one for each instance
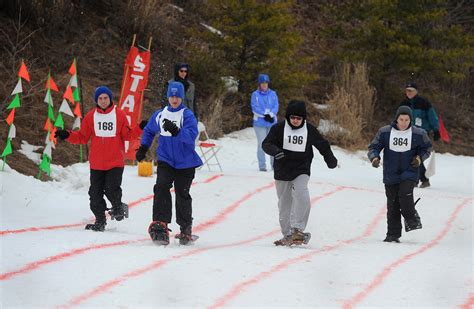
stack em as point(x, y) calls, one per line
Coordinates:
point(81, 101)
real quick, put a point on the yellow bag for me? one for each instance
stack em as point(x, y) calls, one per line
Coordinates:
point(145, 169)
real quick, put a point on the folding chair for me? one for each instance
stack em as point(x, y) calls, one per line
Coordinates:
point(208, 148)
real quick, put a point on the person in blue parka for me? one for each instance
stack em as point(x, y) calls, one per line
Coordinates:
point(177, 162)
point(405, 147)
point(264, 103)
point(425, 117)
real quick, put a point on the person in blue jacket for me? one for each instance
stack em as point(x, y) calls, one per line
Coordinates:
point(177, 162)
point(424, 116)
point(405, 147)
point(264, 103)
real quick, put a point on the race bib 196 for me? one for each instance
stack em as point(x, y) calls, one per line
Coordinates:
point(400, 141)
point(105, 125)
point(295, 140)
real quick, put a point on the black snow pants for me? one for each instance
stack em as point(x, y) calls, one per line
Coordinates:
point(105, 182)
point(162, 203)
point(399, 202)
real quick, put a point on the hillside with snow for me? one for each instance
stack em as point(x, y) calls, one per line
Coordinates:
point(49, 260)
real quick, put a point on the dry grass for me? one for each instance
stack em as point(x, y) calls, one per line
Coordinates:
point(351, 106)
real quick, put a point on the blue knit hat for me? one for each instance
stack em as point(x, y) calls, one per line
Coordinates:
point(175, 89)
point(263, 78)
point(100, 90)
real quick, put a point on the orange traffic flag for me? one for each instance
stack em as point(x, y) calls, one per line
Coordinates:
point(443, 132)
point(51, 84)
point(68, 94)
point(47, 125)
point(11, 117)
point(77, 110)
point(72, 68)
point(23, 73)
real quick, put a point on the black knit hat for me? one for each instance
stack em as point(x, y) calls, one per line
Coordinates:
point(296, 108)
point(404, 110)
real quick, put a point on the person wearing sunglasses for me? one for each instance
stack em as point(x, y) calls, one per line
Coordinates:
point(425, 117)
point(291, 143)
point(264, 102)
point(181, 74)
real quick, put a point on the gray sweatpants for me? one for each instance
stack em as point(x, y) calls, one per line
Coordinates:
point(293, 203)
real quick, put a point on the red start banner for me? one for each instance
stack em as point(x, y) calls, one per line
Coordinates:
point(135, 80)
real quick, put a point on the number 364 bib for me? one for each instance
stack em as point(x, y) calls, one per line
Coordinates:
point(400, 141)
point(105, 125)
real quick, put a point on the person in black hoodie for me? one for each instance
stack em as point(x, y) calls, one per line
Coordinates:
point(181, 74)
point(291, 143)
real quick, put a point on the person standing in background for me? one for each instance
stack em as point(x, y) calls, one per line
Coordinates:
point(265, 106)
point(425, 117)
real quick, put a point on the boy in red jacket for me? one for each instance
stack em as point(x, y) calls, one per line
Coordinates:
point(107, 127)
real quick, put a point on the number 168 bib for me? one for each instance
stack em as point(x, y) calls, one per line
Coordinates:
point(400, 141)
point(105, 125)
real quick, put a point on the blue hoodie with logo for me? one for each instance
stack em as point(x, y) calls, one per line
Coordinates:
point(177, 151)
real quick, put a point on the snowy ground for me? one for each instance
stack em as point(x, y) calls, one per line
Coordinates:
point(49, 260)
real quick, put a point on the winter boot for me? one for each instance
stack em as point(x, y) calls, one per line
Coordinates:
point(425, 183)
point(159, 232)
point(119, 212)
point(186, 235)
point(285, 241)
point(98, 226)
point(298, 237)
point(391, 238)
point(414, 223)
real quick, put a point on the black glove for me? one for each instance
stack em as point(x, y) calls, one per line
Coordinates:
point(331, 161)
point(280, 156)
point(416, 161)
point(143, 124)
point(61, 134)
point(268, 118)
point(436, 135)
point(141, 153)
point(169, 126)
point(376, 162)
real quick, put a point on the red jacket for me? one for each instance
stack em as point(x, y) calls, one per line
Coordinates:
point(105, 152)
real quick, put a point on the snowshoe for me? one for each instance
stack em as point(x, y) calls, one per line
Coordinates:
point(159, 232)
point(285, 241)
point(413, 224)
point(390, 238)
point(119, 213)
point(298, 237)
point(98, 226)
point(186, 236)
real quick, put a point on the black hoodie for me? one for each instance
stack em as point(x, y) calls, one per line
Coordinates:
point(296, 163)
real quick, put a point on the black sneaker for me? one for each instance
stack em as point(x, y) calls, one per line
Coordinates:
point(119, 212)
point(159, 232)
point(390, 238)
point(98, 226)
point(413, 224)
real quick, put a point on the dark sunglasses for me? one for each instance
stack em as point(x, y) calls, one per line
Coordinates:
point(186, 71)
point(296, 117)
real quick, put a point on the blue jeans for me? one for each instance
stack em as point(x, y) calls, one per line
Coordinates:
point(261, 133)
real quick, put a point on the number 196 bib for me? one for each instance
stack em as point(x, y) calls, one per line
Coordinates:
point(400, 141)
point(295, 140)
point(105, 125)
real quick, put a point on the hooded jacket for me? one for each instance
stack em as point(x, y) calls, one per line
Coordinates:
point(106, 152)
point(399, 148)
point(296, 163)
point(177, 151)
point(189, 88)
point(424, 115)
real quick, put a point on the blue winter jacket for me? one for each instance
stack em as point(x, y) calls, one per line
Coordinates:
point(396, 165)
point(264, 102)
point(424, 115)
point(178, 151)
